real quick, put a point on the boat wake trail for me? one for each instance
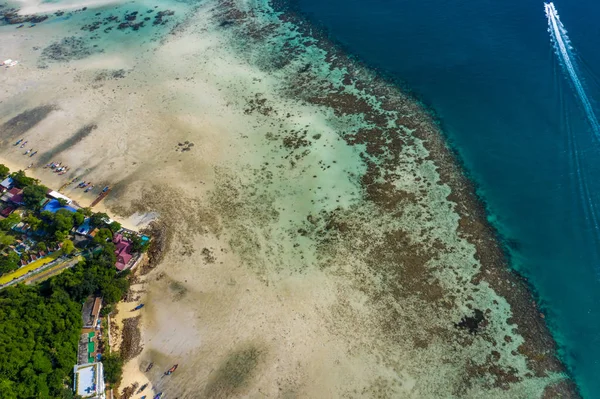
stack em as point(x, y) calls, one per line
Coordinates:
point(561, 42)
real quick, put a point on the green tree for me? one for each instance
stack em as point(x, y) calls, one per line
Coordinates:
point(6, 239)
point(9, 262)
point(10, 221)
point(41, 246)
point(68, 247)
point(21, 180)
point(32, 221)
point(102, 236)
point(98, 219)
point(114, 227)
point(63, 220)
point(33, 194)
point(78, 218)
point(4, 171)
point(137, 244)
point(60, 235)
point(113, 368)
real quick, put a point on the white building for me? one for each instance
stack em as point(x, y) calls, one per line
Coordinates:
point(57, 195)
point(89, 381)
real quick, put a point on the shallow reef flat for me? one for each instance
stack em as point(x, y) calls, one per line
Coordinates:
point(322, 239)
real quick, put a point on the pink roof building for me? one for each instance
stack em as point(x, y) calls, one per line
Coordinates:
point(123, 251)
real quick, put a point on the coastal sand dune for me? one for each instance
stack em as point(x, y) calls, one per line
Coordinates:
point(322, 241)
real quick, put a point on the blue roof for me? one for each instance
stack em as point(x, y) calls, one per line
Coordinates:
point(54, 206)
point(85, 227)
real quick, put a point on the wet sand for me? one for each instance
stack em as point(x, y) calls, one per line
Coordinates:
point(321, 239)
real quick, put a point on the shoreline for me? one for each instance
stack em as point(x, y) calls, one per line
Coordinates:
point(324, 288)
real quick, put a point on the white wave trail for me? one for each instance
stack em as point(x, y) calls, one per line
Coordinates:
point(563, 50)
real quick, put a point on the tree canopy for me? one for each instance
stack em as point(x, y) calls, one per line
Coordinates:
point(33, 194)
point(3, 171)
point(21, 180)
point(40, 328)
point(39, 336)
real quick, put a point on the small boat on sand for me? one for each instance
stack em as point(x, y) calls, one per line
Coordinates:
point(28, 151)
point(171, 370)
point(18, 142)
point(23, 144)
point(88, 189)
point(149, 367)
point(158, 395)
point(33, 153)
point(138, 307)
point(20, 26)
point(142, 388)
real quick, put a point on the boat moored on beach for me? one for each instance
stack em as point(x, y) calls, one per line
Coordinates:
point(171, 370)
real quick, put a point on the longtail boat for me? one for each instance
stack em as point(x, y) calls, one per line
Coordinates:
point(171, 370)
point(142, 388)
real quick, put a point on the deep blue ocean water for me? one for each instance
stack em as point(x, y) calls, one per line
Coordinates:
point(490, 73)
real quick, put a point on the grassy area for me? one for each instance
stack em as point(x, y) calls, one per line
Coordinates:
point(7, 278)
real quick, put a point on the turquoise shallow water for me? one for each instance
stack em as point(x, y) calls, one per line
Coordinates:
point(489, 71)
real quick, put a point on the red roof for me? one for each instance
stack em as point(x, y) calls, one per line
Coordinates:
point(7, 211)
point(123, 251)
point(15, 191)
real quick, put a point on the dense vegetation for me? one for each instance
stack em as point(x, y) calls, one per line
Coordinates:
point(40, 325)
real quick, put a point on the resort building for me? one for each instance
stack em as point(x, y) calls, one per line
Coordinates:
point(123, 252)
point(56, 195)
point(91, 312)
point(89, 381)
point(6, 184)
point(14, 195)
